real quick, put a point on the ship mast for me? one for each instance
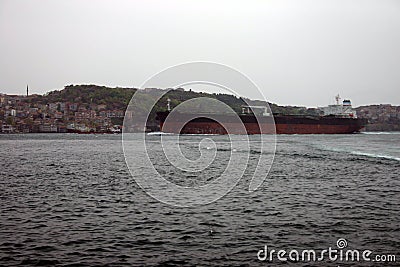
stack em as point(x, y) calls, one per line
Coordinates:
point(337, 99)
point(169, 104)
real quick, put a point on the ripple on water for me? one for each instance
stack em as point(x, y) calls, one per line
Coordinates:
point(72, 202)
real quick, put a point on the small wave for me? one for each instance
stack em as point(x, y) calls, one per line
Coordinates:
point(186, 237)
point(215, 224)
point(358, 153)
point(45, 248)
point(374, 155)
point(380, 132)
point(39, 262)
point(158, 133)
point(173, 262)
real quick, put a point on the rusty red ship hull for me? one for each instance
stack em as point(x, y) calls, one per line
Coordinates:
point(279, 124)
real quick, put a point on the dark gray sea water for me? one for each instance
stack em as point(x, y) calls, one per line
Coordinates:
point(69, 200)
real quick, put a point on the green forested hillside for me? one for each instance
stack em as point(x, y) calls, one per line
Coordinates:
point(119, 97)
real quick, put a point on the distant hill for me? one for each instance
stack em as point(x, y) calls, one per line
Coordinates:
point(119, 97)
point(114, 98)
point(380, 117)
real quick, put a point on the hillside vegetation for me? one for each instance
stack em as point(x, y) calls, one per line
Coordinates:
point(119, 97)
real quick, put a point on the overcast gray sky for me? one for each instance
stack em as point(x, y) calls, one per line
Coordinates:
point(298, 52)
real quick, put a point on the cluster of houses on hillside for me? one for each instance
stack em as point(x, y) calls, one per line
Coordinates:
point(383, 112)
point(383, 117)
point(19, 114)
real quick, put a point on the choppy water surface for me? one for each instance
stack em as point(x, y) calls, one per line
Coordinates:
point(69, 200)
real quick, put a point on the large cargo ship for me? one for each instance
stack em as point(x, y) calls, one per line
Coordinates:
point(335, 119)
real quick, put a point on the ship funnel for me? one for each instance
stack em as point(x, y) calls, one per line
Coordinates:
point(346, 102)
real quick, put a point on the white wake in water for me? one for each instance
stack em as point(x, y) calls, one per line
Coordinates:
point(374, 155)
point(390, 153)
point(377, 133)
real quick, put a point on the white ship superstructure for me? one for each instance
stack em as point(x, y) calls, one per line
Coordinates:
point(341, 110)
